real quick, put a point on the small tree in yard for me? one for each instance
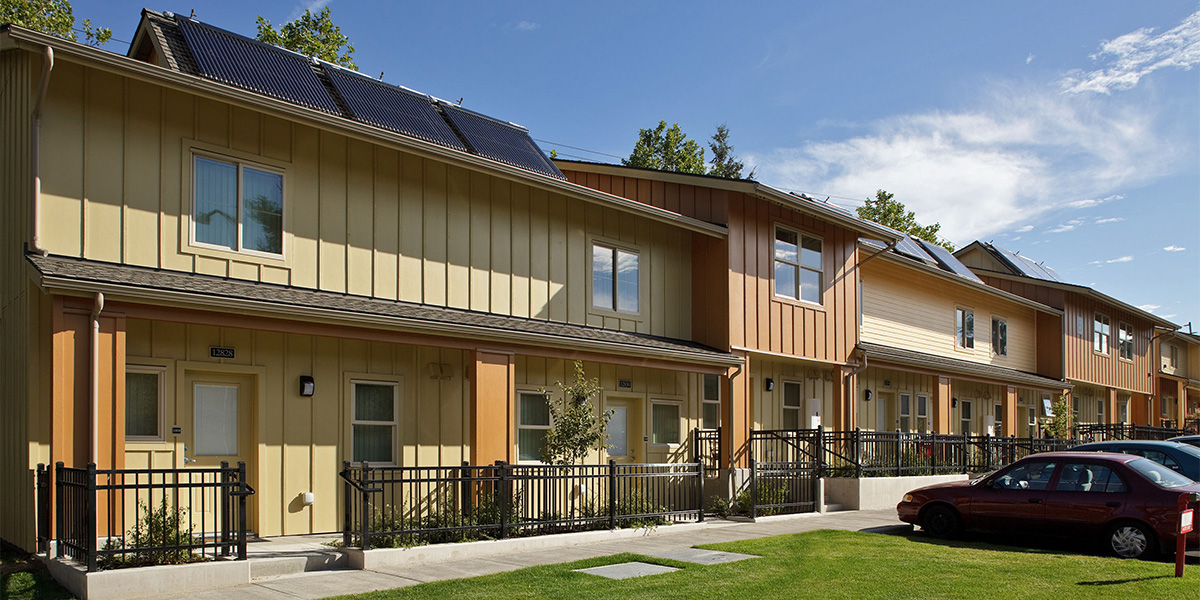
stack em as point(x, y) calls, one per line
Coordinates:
point(575, 426)
point(1060, 423)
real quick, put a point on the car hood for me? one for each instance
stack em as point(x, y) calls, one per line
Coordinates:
point(963, 484)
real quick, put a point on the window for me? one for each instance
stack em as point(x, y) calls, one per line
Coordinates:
point(905, 411)
point(999, 412)
point(1100, 334)
point(792, 404)
point(999, 336)
point(799, 271)
point(374, 423)
point(143, 403)
point(236, 206)
point(1032, 418)
point(1028, 476)
point(215, 419)
point(1079, 330)
point(533, 421)
point(1100, 412)
point(1172, 357)
point(1125, 341)
point(665, 420)
point(964, 327)
point(1088, 478)
point(712, 402)
point(615, 279)
point(1123, 410)
point(922, 413)
point(966, 417)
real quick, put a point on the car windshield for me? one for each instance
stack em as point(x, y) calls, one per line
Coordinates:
point(1159, 475)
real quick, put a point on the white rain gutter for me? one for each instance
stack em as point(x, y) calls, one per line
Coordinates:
point(35, 161)
point(96, 377)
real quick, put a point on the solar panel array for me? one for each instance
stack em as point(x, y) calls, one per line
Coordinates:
point(393, 108)
point(499, 141)
point(252, 65)
point(947, 260)
point(1028, 267)
point(909, 247)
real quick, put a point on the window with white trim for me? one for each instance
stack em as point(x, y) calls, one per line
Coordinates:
point(237, 206)
point(1100, 333)
point(799, 266)
point(964, 327)
point(711, 417)
point(615, 278)
point(664, 418)
point(793, 404)
point(999, 408)
point(1125, 341)
point(999, 336)
point(533, 421)
point(922, 413)
point(375, 421)
point(143, 403)
point(905, 410)
point(1172, 357)
point(966, 416)
point(1100, 411)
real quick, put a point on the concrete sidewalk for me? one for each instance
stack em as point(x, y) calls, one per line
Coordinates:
point(660, 541)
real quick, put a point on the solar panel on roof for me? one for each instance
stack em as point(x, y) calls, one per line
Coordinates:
point(393, 108)
point(910, 248)
point(252, 65)
point(947, 260)
point(1028, 267)
point(499, 141)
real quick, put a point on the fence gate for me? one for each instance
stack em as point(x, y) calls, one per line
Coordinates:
point(785, 471)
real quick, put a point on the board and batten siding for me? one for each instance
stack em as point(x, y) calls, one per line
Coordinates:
point(359, 218)
point(904, 308)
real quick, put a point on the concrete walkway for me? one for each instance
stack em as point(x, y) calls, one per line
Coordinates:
point(659, 542)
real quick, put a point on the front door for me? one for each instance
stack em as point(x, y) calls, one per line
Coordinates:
point(221, 412)
point(884, 421)
point(625, 438)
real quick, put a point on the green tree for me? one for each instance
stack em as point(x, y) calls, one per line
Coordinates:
point(54, 17)
point(666, 149)
point(1060, 423)
point(311, 35)
point(724, 163)
point(575, 425)
point(885, 210)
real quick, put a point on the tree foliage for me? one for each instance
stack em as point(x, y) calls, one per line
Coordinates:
point(724, 163)
point(885, 210)
point(666, 149)
point(54, 17)
point(1060, 423)
point(311, 35)
point(575, 425)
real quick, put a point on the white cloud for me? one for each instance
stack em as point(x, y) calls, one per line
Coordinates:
point(1173, 248)
point(1109, 220)
point(1068, 226)
point(524, 26)
point(1150, 307)
point(1090, 202)
point(1025, 229)
point(1029, 59)
point(1123, 259)
point(1128, 58)
point(313, 6)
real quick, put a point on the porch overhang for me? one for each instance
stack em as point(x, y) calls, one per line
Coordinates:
point(879, 355)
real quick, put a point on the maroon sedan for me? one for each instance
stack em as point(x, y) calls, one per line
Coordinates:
point(1128, 502)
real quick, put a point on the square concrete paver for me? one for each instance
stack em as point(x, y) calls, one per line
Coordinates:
point(627, 570)
point(702, 557)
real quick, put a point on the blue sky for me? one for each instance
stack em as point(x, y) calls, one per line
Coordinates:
point(1068, 131)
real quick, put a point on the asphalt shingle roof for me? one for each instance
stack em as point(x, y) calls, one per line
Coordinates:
point(953, 365)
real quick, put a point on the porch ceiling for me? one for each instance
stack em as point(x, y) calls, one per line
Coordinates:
point(877, 353)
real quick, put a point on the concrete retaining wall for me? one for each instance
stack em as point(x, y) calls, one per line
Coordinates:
point(147, 582)
point(873, 493)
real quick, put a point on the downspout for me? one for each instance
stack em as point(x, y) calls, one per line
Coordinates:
point(890, 247)
point(731, 413)
point(851, 395)
point(35, 155)
point(96, 376)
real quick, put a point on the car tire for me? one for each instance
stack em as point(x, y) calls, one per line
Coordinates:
point(940, 521)
point(1131, 539)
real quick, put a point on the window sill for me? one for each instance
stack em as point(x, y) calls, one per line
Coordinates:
point(616, 314)
point(798, 303)
point(278, 261)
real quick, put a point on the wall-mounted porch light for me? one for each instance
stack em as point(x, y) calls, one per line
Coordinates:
point(867, 396)
point(307, 386)
point(769, 384)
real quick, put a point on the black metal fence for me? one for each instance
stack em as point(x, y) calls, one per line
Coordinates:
point(112, 518)
point(785, 471)
point(1124, 431)
point(706, 443)
point(861, 453)
point(405, 506)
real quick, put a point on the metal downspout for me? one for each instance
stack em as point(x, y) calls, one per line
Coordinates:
point(731, 414)
point(35, 161)
point(96, 376)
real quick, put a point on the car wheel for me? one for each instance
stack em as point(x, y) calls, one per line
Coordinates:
point(940, 521)
point(1131, 540)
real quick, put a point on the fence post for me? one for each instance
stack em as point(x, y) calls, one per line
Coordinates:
point(700, 491)
point(857, 455)
point(364, 511)
point(58, 510)
point(695, 444)
point(43, 509)
point(933, 450)
point(347, 507)
point(241, 500)
point(464, 476)
point(505, 497)
point(899, 449)
point(753, 487)
point(966, 452)
point(987, 451)
point(89, 515)
point(612, 494)
point(226, 505)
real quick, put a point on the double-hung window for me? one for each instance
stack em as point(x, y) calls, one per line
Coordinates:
point(1125, 341)
point(1100, 333)
point(799, 270)
point(664, 417)
point(999, 421)
point(237, 206)
point(793, 404)
point(533, 421)
point(711, 416)
point(143, 403)
point(999, 336)
point(964, 327)
point(375, 421)
point(922, 413)
point(615, 278)
point(905, 411)
point(967, 416)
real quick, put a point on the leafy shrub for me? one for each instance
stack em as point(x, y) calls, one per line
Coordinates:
point(720, 506)
point(163, 526)
point(768, 493)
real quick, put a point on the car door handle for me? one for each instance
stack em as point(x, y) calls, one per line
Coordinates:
point(1035, 500)
point(1112, 504)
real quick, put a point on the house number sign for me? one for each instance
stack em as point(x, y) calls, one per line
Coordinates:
point(218, 352)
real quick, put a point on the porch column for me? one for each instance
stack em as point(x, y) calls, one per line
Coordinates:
point(843, 416)
point(1009, 405)
point(941, 405)
point(493, 414)
point(1110, 411)
point(72, 423)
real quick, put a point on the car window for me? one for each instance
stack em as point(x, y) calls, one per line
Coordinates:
point(1027, 476)
point(1159, 474)
point(1161, 458)
point(1093, 478)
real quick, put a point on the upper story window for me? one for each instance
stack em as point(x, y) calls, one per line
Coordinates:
point(1101, 330)
point(999, 336)
point(237, 206)
point(964, 327)
point(1125, 341)
point(799, 272)
point(615, 278)
point(1172, 357)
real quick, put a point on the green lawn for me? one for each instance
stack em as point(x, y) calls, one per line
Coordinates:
point(843, 564)
point(23, 578)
